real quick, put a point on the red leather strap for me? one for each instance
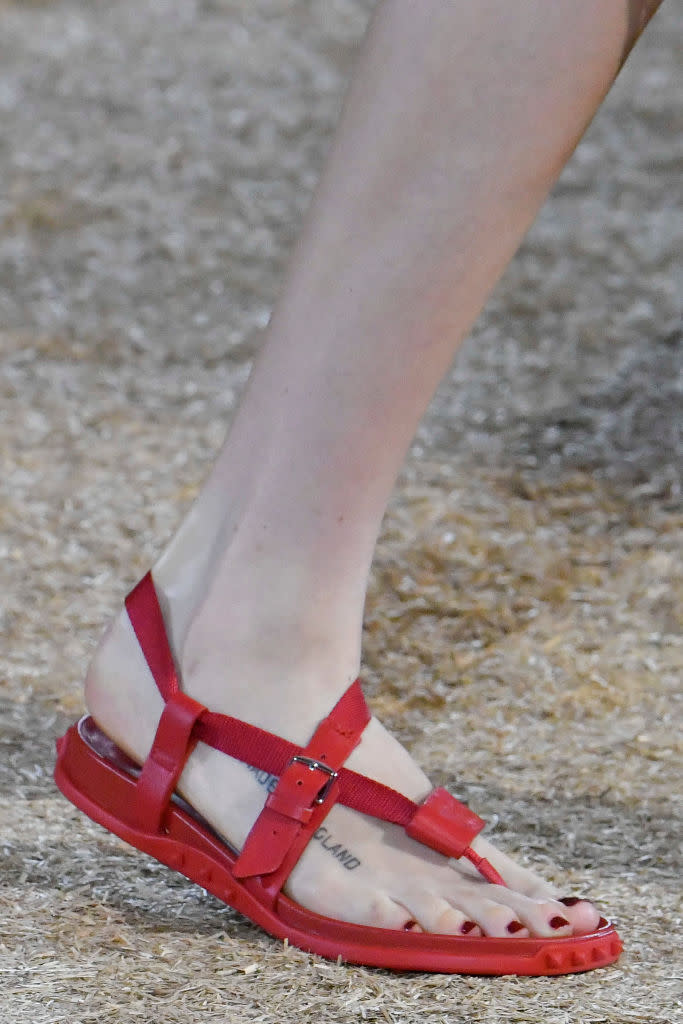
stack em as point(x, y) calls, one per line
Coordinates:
point(146, 617)
point(441, 821)
point(306, 791)
point(173, 744)
point(445, 824)
point(449, 826)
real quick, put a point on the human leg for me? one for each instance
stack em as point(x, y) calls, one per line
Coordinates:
point(457, 123)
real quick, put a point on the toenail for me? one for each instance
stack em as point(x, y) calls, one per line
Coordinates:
point(569, 901)
point(515, 926)
point(603, 922)
point(558, 922)
point(467, 927)
point(409, 925)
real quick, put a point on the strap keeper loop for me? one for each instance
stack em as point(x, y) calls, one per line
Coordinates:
point(173, 744)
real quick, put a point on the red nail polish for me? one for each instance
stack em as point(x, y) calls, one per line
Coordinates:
point(558, 922)
point(409, 925)
point(603, 922)
point(468, 926)
point(515, 926)
point(569, 901)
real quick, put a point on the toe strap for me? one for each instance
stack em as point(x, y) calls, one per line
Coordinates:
point(449, 826)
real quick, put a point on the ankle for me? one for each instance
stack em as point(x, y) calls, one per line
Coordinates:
point(271, 616)
point(274, 666)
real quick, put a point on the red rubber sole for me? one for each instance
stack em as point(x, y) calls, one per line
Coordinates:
point(103, 787)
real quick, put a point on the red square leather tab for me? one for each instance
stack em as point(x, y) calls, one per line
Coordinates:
point(444, 824)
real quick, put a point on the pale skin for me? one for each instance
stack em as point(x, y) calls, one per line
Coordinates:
point(458, 120)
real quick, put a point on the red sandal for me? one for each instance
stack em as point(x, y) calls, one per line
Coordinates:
point(139, 805)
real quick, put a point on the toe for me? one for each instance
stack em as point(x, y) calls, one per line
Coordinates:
point(584, 917)
point(494, 918)
point(497, 920)
point(542, 917)
point(381, 911)
point(499, 911)
point(435, 914)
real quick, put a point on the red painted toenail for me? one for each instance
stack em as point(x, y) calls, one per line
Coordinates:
point(569, 901)
point(603, 922)
point(558, 922)
point(467, 927)
point(409, 925)
point(515, 926)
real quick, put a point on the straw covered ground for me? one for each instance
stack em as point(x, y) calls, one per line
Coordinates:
point(523, 624)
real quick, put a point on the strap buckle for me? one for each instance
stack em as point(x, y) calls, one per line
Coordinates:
point(314, 766)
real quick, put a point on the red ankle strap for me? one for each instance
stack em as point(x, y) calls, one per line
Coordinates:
point(146, 618)
point(441, 822)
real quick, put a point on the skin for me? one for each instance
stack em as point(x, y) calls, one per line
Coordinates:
point(639, 14)
point(458, 120)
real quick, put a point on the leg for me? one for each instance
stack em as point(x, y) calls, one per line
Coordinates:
point(458, 121)
point(639, 13)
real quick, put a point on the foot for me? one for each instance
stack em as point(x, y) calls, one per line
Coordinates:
point(357, 868)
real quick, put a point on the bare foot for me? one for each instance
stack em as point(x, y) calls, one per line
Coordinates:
point(357, 868)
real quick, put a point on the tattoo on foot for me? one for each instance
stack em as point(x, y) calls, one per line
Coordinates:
point(264, 778)
point(344, 856)
point(323, 834)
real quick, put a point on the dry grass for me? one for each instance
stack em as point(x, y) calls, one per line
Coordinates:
point(530, 669)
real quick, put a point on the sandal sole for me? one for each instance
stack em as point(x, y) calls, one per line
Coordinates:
point(104, 788)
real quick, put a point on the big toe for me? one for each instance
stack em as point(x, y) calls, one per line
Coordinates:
point(582, 915)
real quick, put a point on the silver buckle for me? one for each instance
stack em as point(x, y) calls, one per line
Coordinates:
point(313, 766)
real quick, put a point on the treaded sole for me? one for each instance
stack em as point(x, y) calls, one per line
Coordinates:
point(104, 789)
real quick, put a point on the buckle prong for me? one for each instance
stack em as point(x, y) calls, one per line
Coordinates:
point(319, 766)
